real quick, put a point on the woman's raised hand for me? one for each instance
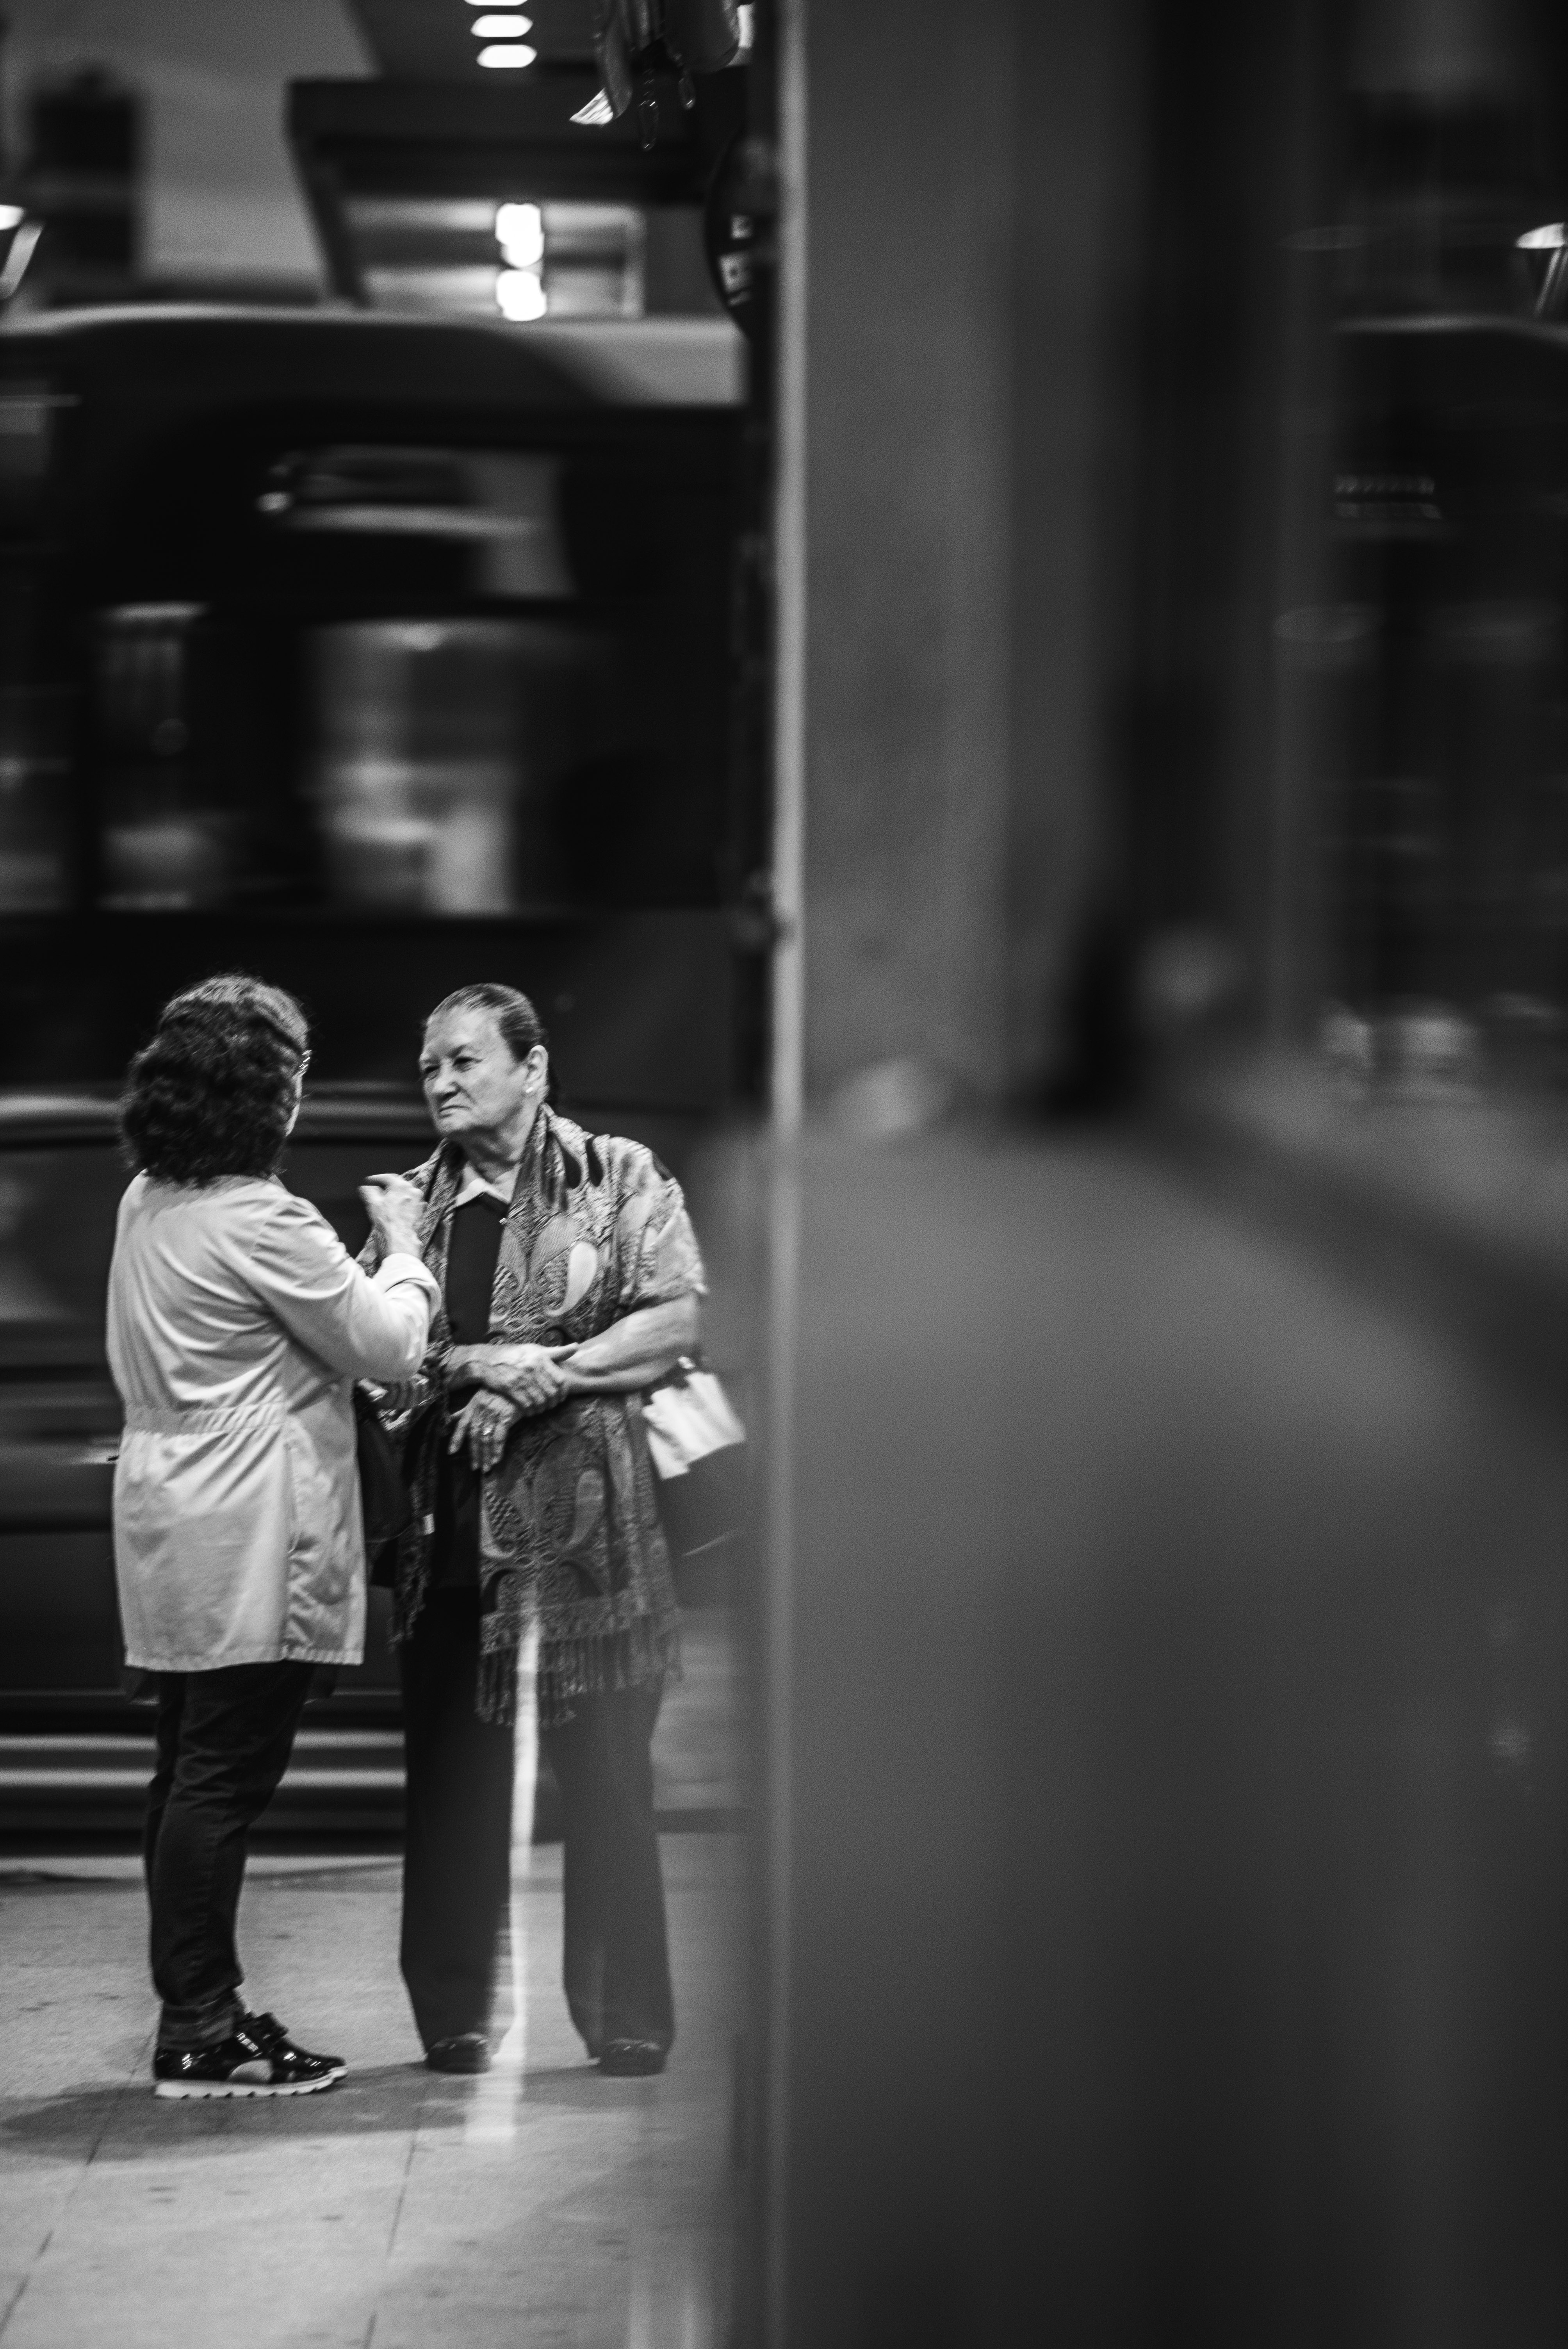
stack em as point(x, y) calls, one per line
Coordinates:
point(393, 1205)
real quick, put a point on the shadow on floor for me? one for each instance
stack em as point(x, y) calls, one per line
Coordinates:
point(128, 2122)
point(133, 2124)
point(582, 2088)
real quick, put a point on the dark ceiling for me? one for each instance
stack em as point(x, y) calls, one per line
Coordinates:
point(431, 40)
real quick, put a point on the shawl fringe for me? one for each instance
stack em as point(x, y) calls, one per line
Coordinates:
point(645, 1655)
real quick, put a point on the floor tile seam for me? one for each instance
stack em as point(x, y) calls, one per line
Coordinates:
point(79, 2182)
point(55, 2222)
point(14, 2302)
point(391, 2243)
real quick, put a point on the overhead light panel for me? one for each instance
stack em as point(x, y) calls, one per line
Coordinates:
point(1544, 240)
point(519, 294)
point(519, 232)
point(507, 53)
point(501, 29)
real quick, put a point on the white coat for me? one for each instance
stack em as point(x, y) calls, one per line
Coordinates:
point(237, 1323)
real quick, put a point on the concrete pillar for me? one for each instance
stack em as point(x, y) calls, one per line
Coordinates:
point(960, 179)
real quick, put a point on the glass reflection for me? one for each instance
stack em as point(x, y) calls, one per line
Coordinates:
point(437, 745)
point(35, 829)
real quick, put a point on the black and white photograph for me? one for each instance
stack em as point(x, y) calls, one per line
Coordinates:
point(783, 1175)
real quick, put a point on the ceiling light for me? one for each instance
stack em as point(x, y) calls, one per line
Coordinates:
point(519, 232)
point(508, 53)
point(519, 294)
point(500, 28)
point(1544, 240)
point(11, 216)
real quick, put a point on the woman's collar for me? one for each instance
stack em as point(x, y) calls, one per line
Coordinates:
point(466, 1182)
point(471, 1184)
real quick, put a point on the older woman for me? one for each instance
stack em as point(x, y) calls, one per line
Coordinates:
point(570, 1279)
point(237, 1324)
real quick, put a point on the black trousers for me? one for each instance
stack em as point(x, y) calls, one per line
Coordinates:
point(616, 1959)
point(457, 1854)
point(224, 1742)
point(457, 1847)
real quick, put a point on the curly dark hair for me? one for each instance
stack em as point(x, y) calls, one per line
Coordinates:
point(213, 1092)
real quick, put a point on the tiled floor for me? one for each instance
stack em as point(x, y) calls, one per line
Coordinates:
point(401, 2211)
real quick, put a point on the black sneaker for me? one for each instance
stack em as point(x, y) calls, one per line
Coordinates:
point(257, 2059)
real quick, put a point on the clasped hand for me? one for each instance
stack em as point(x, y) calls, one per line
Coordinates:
point(513, 1382)
point(483, 1424)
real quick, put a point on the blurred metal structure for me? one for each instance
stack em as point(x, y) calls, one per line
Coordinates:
point(1348, 522)
point(407, 177)
point(79, 184)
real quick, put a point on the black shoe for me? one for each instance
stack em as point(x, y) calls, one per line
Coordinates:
point(469, 2051)
point(257, 2059)
point(632, 2059)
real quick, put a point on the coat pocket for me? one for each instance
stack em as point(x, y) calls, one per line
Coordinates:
point(322, 1560)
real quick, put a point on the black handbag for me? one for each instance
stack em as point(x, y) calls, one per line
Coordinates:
point(704, 1510)
point(384, 1497)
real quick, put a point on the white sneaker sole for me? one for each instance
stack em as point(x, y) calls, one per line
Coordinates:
point(189, 2088)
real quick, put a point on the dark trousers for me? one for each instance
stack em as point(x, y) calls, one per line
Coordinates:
point(617, 1966)
point(458, 1839)
point(223, 1741)
point(456, 1852)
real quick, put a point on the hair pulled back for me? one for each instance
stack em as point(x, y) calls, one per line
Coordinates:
point(518, 1023)
point(213, 1092)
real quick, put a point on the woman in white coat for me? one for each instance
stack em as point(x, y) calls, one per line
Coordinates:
point(237, 1324)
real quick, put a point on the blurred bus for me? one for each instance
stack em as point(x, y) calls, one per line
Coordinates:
point(372, 655)
point(369, 653)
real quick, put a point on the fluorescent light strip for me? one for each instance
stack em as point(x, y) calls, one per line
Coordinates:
point(508, 53)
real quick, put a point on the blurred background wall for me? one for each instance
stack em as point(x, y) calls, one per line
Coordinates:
point(1095, 316)
point(1167, 1630)
point(220, 204)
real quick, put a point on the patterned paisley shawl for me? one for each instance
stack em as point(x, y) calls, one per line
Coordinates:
point(570, 1535)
